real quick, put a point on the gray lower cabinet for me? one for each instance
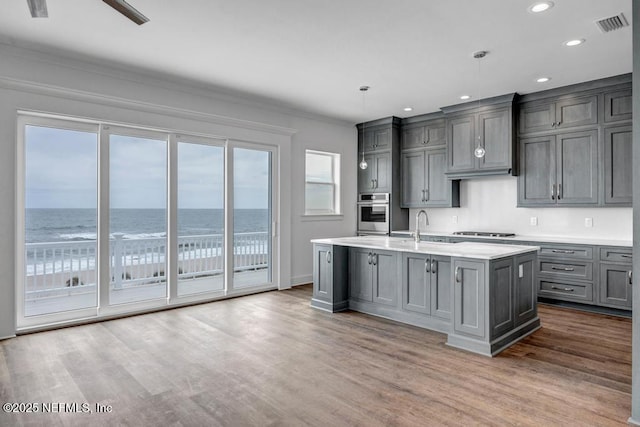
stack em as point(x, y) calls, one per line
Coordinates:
point(617, 165)
point(424, 183)
point(376, 177)
point(426, 284)
point(559, 170)
point(468, 297)
point(494, 302)
point(330, 278)
point(615, 285)
point(373, 276)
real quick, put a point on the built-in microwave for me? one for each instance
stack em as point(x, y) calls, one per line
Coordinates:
point(373, 213)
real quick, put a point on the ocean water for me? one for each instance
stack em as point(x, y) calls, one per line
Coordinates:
point(65, 225)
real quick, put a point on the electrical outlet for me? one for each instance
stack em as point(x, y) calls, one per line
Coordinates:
point(588, 222)
point(454, 219)
point(534, 220)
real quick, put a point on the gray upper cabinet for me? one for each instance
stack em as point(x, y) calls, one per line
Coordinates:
point(377, 140)
point(551, 116)
point(617, 165)
point(489, 125)
point(424, 183)
point(575, 145)
point(426, 134)
point(559, 170)
point(376, 177)
point(618, 106)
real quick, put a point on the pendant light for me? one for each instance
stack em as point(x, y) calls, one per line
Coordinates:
point(479, 152)
point(363, 163)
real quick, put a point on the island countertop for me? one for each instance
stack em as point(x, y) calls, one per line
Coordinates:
point(487, 251)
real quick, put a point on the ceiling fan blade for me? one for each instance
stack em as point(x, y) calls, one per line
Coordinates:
point(38, 8)
point(127, 10)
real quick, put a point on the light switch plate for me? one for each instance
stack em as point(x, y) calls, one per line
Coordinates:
point(534, 220)
point(588, 222)
point(454, 219)
point(520, 271)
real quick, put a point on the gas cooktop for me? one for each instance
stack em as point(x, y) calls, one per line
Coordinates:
point(483, 233)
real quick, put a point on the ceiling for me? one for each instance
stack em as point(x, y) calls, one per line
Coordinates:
point(314, 55)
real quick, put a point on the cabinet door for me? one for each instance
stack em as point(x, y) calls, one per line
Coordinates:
point(436, 133)
point(618, 106)
point(525, 289)
point(438, 187)
point(365, 176)
point(382, 139)
point(501, 297)
point(385, 278)
point(460, 141)
point(369, 140)
point(416, 281)
point(441, 287)
point(537, 171)
point(537, 118)
point(496, 136)
point(617, 165)
point(414, 137)
point(413, 179)
point(577, 112)
point(469, 297)
point(323, 272)
point(381, 172)
point(360, 274)
point(577, 174)
point(615, 285)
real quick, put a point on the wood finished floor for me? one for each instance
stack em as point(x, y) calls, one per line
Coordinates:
point(269, 359)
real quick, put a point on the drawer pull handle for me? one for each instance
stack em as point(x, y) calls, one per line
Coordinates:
point(562, 289)
point(626, 256)
point(328, 257)
point(427, 267)
point(369, 258)
point(630, 277)
point(434, 267)
point(458, 275)
point(562, 251)
point(375, 259)
point(562, 268)
point(553, 192)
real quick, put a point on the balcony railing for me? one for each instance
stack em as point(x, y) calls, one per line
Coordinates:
point(65, 268)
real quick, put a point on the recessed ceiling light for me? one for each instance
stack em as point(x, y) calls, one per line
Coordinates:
point(465, 97)
point(543, 79)
point(540, 6)
point(408, 109)
point(575, 42)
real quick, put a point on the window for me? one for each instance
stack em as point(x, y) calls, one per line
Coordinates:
point(322, 183)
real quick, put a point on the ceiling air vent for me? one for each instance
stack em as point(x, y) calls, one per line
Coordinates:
point(612, 23)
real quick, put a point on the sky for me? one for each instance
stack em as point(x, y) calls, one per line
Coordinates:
point(61, 172)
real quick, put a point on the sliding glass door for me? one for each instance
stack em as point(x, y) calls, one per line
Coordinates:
point(252, 217)
point(114, 220)
point(60, 218)
point(200, 227)
point(137, 217)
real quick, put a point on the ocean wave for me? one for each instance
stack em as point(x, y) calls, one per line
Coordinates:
point(161, 235)
point(93, 236)
point(78, 236)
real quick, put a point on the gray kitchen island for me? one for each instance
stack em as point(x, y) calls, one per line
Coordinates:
point(482, 295)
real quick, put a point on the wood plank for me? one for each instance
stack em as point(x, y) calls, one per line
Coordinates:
point(270, 359)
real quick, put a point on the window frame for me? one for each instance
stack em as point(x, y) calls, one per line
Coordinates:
point(334, 184)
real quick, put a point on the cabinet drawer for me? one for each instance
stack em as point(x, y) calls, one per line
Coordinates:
point(616, 254)
point(570, 291)
point(564, 251)
point(572, 269)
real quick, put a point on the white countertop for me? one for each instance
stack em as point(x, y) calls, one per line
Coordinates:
point(536, 239)
point(461, 250)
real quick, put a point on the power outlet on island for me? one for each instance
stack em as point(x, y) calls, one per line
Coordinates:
point(533, 221)
point(588, 222)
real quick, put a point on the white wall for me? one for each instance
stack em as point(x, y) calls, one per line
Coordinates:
point(40, 82)
point(490, 204)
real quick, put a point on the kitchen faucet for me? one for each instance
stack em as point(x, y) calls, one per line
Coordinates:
point(416, 235)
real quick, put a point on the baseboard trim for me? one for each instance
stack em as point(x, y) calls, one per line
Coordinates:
point(301, 280)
